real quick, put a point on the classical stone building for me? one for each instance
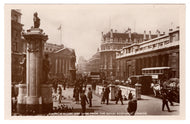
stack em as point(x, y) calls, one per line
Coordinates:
point(93, 64)
point(62, 60)
point(18, 46)
point(63, 63)
point(159, 52)
point(113, 42)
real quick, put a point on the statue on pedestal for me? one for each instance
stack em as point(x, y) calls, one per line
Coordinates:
point(36, 20)
point(23, 69)
point(46, 68)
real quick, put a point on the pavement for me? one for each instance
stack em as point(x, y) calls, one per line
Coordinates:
point(146, 106)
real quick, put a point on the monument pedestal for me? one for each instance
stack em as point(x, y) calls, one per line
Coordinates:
point(32, 105)
point(47, 101)
point(21, 99)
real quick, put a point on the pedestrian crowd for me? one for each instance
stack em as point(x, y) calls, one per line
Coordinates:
point(80, 87)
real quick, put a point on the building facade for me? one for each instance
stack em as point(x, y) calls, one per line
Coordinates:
point(81, 66)
point(162, 51)
point(93, 64)
point(18, 46)
point(113, 42)
point(50, 48)
point(62, 64)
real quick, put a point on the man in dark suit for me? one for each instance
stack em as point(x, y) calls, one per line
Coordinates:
point(119, 97)
point(83, 101)
point(165, 101)
point(107, 91)
point(90, 96)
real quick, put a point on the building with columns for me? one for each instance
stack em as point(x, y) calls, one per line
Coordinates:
point(63, 63)
point(159, 52)
point(113, 42)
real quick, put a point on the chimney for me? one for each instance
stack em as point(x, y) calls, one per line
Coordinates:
point(163, 33)
point(144, 38)
point(129, 30)
point(111, 33)
point(158, 33)
point(170, 29)
point(149, 36)
point(115, 31)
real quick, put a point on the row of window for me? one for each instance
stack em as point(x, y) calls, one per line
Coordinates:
point(158, 43)
point(107, 39)
point(111, 47)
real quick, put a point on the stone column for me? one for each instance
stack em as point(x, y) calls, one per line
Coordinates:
point(163, 60)
point(111, 62)
point(35, 39)
point(56, 66)
point(66, 67)
point(63, 66)
point(105, 62)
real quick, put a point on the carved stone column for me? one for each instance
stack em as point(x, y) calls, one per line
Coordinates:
point(35, 39)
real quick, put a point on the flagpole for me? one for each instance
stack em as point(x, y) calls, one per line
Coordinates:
point(61, 34)
point(109, 22)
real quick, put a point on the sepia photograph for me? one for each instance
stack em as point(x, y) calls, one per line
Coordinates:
point(95, 60)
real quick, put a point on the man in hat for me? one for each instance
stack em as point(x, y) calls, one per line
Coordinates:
point(83, 102)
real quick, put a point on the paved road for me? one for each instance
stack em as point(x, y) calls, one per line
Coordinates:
point(147, 106)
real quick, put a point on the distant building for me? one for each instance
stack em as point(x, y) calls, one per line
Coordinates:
point(93, 64)
point(161, 52)
point(81, 66)
point(18, 46)
point(63, 63)
point(113, 42)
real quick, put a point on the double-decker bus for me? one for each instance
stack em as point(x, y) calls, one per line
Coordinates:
point(160, 77)
point(94, 75)
point(157, 73)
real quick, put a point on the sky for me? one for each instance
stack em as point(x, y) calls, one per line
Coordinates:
point(82, 24)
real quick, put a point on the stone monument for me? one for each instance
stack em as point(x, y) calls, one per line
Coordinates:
point(36, 20)
point(36, 92)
